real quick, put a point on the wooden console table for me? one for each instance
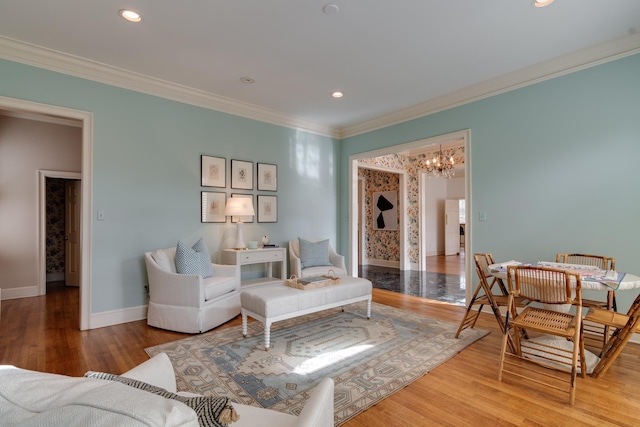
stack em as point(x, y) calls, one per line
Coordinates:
point(258, 256)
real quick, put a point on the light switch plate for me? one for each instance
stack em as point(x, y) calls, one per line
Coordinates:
point(100, 215)
point(482, 216)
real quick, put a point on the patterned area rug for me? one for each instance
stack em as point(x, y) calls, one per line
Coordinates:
point(368, 359)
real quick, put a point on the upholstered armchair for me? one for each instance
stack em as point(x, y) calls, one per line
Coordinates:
point(314, 257)
point(188, 302)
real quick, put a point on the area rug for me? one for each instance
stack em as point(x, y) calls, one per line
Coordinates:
point(368, 359)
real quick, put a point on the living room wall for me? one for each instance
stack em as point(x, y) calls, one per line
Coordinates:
point(553, 165)
point(146, 175)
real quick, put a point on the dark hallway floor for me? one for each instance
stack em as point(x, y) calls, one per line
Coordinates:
point(436, 286)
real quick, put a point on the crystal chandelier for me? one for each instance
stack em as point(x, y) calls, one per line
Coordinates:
point(440, 166)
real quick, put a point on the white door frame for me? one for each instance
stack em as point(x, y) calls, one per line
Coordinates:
point(42, 222)
point(53, 113)
point(353, 201)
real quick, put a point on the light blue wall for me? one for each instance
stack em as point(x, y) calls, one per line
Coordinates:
point(554, 165)
point(146, 175)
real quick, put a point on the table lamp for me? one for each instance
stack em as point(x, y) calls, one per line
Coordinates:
point(239, 206)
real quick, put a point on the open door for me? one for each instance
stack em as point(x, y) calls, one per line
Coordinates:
point(451, 227)
point(72, 234)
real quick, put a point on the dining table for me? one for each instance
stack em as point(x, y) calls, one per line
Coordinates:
point(593, 279)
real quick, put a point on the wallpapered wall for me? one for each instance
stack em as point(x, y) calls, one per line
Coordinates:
point(384, 245)
point(55, 226)
point(379, 244)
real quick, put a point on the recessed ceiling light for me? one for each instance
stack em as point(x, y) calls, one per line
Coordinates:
point(330, 9)
point(130, 15)
point(247, 80)
point(337, 94)
point(542, 3)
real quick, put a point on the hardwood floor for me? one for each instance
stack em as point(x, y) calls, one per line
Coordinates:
point(41, 334)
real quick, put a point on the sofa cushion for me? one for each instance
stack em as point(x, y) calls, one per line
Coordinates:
point(212, 411)
point(323, 270)
point(218, 285)
point(314, 253)
point(194, 260)
point(166, 259)
point(42, 399)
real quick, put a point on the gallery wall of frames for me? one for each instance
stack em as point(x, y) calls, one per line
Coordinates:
point(246, 179)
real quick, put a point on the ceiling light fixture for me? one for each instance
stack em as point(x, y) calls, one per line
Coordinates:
point(440, 166)
point(330, 9)
point(337, 94)
point(542, 3)
point(130, 15)
point(247, 80)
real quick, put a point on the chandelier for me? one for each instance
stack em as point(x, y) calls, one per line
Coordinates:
point(440, 166)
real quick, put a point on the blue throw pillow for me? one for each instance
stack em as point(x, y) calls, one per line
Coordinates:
point(313, 254)
point(194, 260)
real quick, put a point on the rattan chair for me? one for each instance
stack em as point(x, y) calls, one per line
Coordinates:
point(623, 327)
point(603, 263)
point(595, 335)
point(560, 348)
point(485, 294)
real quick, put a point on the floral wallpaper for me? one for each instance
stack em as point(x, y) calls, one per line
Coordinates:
point(386, 247)
point(379, 244)
point(55, 225)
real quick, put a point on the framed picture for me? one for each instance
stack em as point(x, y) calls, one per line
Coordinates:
point(245, 218)
point(212, 206)
point(267, 177)
point(213, 171)
point(241, 175)
point(385, 210)
point(267, 208)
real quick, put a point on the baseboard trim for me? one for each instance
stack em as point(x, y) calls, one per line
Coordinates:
point(116, 317)
point(23, 292)
point(383, 263)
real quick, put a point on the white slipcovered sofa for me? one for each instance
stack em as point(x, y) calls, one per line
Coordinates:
point(335, 261)
point(188, 302)
point(30, 398)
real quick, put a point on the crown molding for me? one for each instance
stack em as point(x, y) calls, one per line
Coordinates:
point(559, 66)
point(37, 56)
point(29, 54)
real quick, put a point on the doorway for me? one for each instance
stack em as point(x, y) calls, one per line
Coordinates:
point(354, 212)
point(61, 237)
point(83, 119)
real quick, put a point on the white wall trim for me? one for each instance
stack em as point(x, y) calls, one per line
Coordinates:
point(42, 222)
point(37, 56)
point(86, 119)
point(23, 292)
point(384, 263)
point(30, 54)
point(116, 317)
point(556, 67)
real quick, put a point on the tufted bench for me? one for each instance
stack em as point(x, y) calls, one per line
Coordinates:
point(272, 303)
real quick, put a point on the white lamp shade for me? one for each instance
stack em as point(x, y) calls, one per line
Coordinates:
point(239, 206)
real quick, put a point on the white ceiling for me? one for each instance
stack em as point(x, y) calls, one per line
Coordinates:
point(387, 57)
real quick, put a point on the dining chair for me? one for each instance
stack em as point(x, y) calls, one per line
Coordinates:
point(603, 263)
point(595, 335)
point(559, 347)
point(623, 326)
point(485, 294)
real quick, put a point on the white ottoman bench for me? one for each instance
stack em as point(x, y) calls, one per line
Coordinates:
point(272, 303)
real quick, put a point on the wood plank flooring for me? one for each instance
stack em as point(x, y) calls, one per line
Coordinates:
point(41, 334)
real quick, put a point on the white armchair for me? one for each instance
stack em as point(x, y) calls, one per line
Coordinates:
point(186, 302)
point(297, 266)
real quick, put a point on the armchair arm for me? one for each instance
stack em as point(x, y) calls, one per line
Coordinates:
point(336, 259)
point(171, 288)
point(230, 270)
point(295, 265)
